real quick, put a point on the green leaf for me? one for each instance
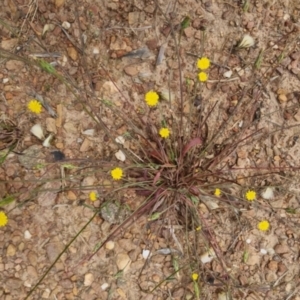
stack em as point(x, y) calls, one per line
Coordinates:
point(7, 200)
point(291, 210)
point(195, 200)
point(4, 155)
point(107, 102)
point(259, 59)
point(39, 166)
point(154, 216)
point(197, 290)
point(245, 256)
point(246, 6)
point(175, 263)
point(69, 166)
point(46, 66)
point(186, 22)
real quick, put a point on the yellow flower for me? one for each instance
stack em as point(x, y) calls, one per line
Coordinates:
point(250, 195)
point(195, 276)
point(3, 218)
point(35, 106)
point(116, 173)
point(151, 98)
point(202, 76)
point(93, 196)
point(164, 132)
point(217, 192)
point(203, 63)
point(263, 225)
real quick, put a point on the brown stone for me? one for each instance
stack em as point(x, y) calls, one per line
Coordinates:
point(273, 265)
point(72, 52)
point(71, 196)
point(282, 98)
point(281, 249)
point(131, 70)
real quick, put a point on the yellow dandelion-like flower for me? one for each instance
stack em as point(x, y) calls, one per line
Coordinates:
point(116, 173)
point(198, 228)
point(151, 98)
point(93, 196)
point(35, 106)
point(164, 132)
point(195, 276)
point(250, 195)
point(3, 218)
point(263, 225)
point(203, 63)
point(217, 192)
point(202, 76)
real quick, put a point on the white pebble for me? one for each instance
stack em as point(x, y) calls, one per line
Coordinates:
point(27, 235)
point(66, 25)
point(5, 80)
point(145, 253)
point(248, 241)
point(37, 131)
point(208, 256)
point(227, 74)
point(46, 142)
point(104, 286)
point(268, 193)
point(89, 132)
point(263, 251)
point(120, 140)
point(96, 50)
point(120, 155)
point(286, 17)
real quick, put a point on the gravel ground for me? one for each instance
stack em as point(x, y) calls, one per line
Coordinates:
point(52, 202)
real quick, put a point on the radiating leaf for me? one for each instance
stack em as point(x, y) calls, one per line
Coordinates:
point(192, 143)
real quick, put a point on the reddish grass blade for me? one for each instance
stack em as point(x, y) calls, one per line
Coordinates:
point(157, 176)
point(192, 143)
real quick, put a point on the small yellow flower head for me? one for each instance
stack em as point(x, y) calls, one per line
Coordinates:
point(151, 98)
point(202, 76)
point(195, 276)
point(250, 195)
point(3, 218)
point(93, 196)
point(35, 106)
point(217, 192)
point(164, 132)
point(116, 173)
point(198, 228)
point(263, 225)
point(203, 63)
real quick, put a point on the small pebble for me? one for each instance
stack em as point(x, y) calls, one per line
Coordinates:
point(88, 279)
point(273, 265)
point(66, 25)
point(110, 245)
point(123, 262)
point(11, 250)
point(104, 286)
point(27, 235)
point(281, 249)
point(282, 98)
point(146, 253)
